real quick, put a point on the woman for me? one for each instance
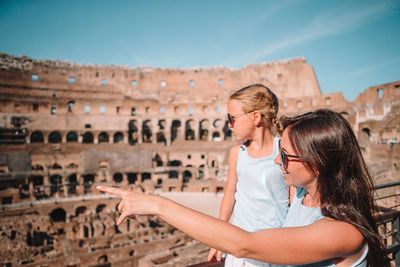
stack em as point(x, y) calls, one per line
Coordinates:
point(330, 221)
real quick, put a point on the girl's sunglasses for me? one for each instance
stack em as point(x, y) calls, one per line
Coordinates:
point(285, 157)
point(231, 118)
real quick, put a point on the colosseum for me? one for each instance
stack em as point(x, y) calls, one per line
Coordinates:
point(67, 127)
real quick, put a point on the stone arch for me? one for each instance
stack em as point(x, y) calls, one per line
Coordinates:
point(173, 175)
point(117, 177)
point(87, 138)
point(146, 176)
point(37, 167)
point(102, 259)
point(72, 183)
point(216, 136)
point(100, 208)
point(80, 210)
point(55, 184)
point(103, 137)
point(55, 137)
point(158, 160)
point(118, 137)
point(36, 180)
point(133, 132)
point(88, 180)
point(58, 215)
point(72, 136)
point(189, 130)
point(85, 231)
point(72, 165)
point(227, 131)
point(200, 174)
point(161, 138)
point(187, 175)
point(56, 166)
point(162, 124)
point(132, 177)
point(37, 137)
point(217, 124)
point(175, 163)
point(366, 131)
point(147, 132)
point(203, 129)
point(176, 124)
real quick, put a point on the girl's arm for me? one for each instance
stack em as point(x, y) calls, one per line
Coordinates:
point(324, 239)
point(228, 201)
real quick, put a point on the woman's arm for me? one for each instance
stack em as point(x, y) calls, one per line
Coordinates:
point(324, 239)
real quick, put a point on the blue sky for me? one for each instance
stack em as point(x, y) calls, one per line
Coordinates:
point(351, 44)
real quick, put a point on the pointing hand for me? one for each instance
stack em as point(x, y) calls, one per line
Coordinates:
point(132, 203)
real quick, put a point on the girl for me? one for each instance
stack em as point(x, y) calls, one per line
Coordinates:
point(255, 190)
point(330, 218)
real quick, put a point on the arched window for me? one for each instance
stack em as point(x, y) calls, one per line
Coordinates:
point(173, 175)
point(100, 208)
point(55, 184)
point(186, 176)
point(132, 177)
point(175, 163)
point(80, 210)
point(103, 137)
point(56, 166)
point(118, 137)
point(117, 177)
point(176, 124)
point(37, 137)
point(58, 215)
point(146, 176)
point(87, 138)
point(72, 137)
point(55, 137)
point(216, 137)
point(72, 183)
point(147, 131)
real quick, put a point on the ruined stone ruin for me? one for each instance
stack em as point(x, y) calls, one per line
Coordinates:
point(66, 127)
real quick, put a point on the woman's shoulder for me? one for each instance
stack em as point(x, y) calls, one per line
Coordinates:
point(343, 236)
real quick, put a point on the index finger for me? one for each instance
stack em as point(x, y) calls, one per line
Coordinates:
point(111, 190)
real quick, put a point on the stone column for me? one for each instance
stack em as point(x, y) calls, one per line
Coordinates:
point(168, 124)
point(95, 138)
point(183, 129)
point(64, 137)
point(80, 137)
point(154, 130)
point(140, 127)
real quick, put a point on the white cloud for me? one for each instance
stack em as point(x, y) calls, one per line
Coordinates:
point(332, 22)
point(372, 68)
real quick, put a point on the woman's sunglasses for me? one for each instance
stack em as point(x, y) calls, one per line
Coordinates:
point(285, 157)
point(231, 118)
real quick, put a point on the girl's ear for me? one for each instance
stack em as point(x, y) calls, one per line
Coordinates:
point(257, 118)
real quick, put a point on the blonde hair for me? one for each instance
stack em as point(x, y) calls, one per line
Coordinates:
point(261, 98)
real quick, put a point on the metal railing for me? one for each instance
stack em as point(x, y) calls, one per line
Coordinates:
point(388, 222)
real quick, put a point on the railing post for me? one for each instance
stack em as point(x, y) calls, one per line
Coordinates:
point(396, 236)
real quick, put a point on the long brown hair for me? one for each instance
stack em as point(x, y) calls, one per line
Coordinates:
point(326, 144)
